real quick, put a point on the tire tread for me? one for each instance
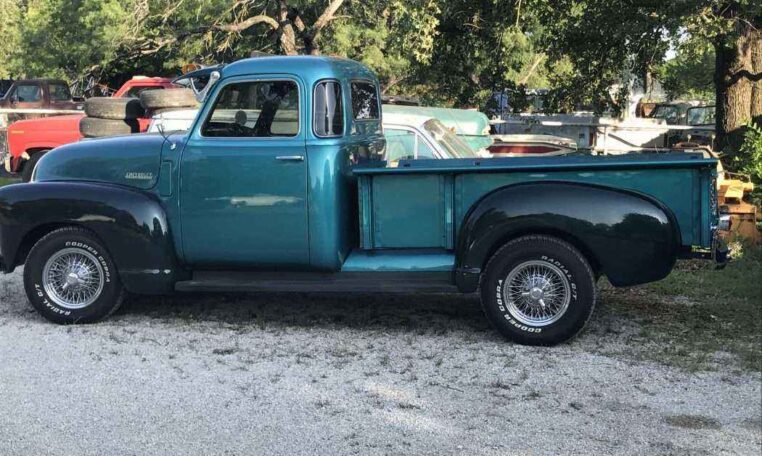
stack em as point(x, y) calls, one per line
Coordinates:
point(551, 240)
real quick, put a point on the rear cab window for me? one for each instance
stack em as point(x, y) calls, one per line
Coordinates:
point(255, 109)
point(365, 104)
point(59, 92)
point(328, 111)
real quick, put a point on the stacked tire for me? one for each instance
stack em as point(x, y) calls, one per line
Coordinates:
point(107, 116)
point(158, 101)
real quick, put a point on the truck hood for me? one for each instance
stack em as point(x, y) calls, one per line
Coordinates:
point(131, 160)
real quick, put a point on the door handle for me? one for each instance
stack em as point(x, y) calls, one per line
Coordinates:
point(295, 158)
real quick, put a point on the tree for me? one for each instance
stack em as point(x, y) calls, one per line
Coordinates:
point(393, 37)
point(690, 74)
point(734, 30)
point(10, 16)
point(603, 47)
point(62, 37)
point(483, 47)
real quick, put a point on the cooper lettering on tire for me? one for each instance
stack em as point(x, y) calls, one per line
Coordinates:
point(538, 290)
point(69, 278)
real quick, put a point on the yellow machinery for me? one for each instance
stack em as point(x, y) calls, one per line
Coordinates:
point(731, 189)
point(743, 216)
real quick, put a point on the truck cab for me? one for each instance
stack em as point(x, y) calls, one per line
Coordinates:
point(39, 94)
point(280, 185)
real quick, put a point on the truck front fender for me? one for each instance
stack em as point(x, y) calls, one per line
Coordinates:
point(131, 224)
point(629, 237)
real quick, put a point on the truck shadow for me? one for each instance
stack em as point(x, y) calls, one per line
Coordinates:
point(421, 313)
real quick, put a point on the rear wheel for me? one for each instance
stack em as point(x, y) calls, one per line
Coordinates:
point(69, 277)
point(538, 290)
point(28, 170)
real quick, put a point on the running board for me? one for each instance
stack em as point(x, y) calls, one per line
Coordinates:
point(342, 282)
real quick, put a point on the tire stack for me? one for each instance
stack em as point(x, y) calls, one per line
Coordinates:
point(158, 101)
point(107, 116)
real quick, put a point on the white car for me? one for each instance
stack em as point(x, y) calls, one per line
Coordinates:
point(408, 136)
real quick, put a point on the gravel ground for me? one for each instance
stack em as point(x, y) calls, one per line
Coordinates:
point(299, 374)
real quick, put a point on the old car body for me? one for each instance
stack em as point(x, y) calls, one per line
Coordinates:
point(280, 185)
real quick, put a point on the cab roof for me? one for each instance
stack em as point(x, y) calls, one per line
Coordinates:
point(309, 68)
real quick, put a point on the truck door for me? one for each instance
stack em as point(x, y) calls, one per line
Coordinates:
point(27, 96)
point(243, 177)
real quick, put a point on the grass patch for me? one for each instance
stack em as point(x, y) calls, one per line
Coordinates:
point(696, 313)
point(7, 181)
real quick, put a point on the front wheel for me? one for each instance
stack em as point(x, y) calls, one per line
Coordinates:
point(538, 290)
point(69, 277)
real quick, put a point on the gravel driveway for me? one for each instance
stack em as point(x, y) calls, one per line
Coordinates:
point(327, 374)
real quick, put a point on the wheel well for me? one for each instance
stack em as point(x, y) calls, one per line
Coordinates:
point(564, 236)
point(31, 238)
point(30, 152)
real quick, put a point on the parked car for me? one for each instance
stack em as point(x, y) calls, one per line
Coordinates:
point(280, 185)
point(517, 145)
point(418, 136)
point(408, 136)
point(28, 140)
point(472, 127)
point(39, 94)
point(687, 114)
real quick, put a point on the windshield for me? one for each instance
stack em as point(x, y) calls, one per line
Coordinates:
point(448, 142)
point(703, 115)
point(667, 112)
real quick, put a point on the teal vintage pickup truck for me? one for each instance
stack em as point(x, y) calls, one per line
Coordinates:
point(279, 186)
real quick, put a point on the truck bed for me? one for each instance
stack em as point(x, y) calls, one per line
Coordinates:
point(421, 204)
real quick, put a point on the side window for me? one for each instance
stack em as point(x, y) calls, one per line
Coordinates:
point(256, 109)
point(400, 145)
point(28, 93)
point(329, 112)
point(424, 150)
point(364, 101)
point(59, 92)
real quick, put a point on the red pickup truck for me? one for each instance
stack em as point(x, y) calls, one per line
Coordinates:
point(29, 140)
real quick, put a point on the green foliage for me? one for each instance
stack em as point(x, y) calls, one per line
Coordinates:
point(395, 38)
point(10, 16)
point(482, 47)
point(750, 159)
point(690, 75)
point(64, 38)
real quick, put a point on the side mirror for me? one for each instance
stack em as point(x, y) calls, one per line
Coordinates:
point(214, 76)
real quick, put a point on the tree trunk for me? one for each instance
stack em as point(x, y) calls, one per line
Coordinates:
point(734, 77)
point(756, 90)
point(287, 32)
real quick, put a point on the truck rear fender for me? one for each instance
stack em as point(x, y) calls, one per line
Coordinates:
point(630, 237)
point(131, 224)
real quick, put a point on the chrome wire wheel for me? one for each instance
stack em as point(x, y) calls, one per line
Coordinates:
point(73, 278)
point(537, 293)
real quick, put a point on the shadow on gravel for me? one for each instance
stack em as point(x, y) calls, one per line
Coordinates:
point(418, 313)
